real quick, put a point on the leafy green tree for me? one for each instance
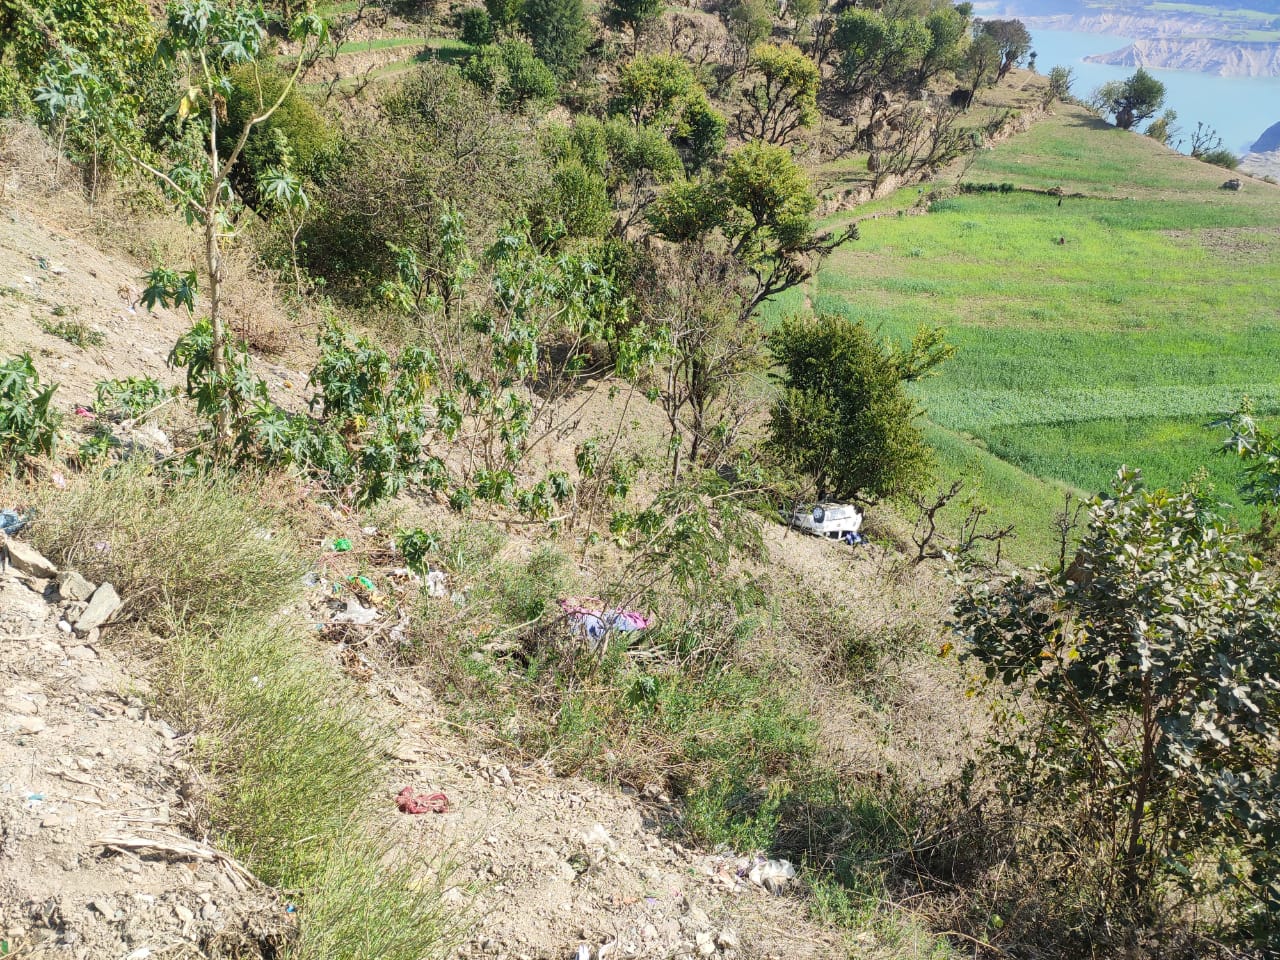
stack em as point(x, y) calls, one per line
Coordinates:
point(980, 64)
point(505, 14)
point(579, 201)
point(652, 89)
point(637, 16)
point(700, 133)
point(1059, 87)
point(1131, 101)
point(748, 23)
point(205, 43)
point(844, 419)
point(1013, 40)
point(438, 145)
point(784, 98)
point(738, 239)
point(879, 53)
point(115, 38)
point(802, 14)
point(512, 73)
point(90, 68)
point(948, 27)
point(559, 32)
point(478, 28)
point(765, 183)
point(1151, 664)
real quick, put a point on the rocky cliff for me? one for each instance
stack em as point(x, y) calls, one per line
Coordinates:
point(1269, 141)
point(1220, 57)
point(1174, 41)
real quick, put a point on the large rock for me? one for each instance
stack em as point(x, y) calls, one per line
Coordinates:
point(72, 586)
point(102, 606)
point(27, 559)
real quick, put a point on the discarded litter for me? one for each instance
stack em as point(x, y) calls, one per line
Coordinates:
point(356, 613)
point(437, 584)
point(364, 582)
point(11, 521)
point(409, 802)
point(592, 618)
point(342, 545)
point(773, 875)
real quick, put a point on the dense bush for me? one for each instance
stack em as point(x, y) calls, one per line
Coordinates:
point(1151, 662)
point(845, 420)
point(296, 132)
point(444, 146)
point(477, 27)
point(512, 73)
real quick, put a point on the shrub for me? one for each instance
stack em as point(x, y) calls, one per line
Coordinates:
point(845, 420)
point(130, 397)
point(1151, 661)
point(477, 27)
point(559, 31)
point(296, 135)
point(512, 73)
point(28, 424)
point(198, 551)
point(1221, 157)
point(578, 200)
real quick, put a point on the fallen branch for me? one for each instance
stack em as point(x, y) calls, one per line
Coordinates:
point(176, 846)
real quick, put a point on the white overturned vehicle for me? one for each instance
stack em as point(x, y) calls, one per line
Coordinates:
point(831, 521)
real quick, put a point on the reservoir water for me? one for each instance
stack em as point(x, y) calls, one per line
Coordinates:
point(1239, 108)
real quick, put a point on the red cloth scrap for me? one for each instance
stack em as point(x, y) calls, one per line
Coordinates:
point(409, 802)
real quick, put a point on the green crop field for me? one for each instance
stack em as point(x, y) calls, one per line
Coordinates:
point(1109, 329)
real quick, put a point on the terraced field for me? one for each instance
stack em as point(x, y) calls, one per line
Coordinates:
point(1108, 329)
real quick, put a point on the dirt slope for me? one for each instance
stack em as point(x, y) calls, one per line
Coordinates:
point(83, 761)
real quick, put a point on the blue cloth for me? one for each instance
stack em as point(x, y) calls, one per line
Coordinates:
point(11, 522)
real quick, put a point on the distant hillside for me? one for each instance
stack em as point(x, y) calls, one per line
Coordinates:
point(1269, 141)
point(1223, 58)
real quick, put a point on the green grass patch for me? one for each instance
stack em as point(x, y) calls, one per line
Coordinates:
point(1105, 330)
point(381, 43)
point(75, 332)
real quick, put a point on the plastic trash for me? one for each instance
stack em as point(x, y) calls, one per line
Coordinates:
point(437, 584)
point(773, 875)
point(342, 545)
point(356, 613)
point(11, 521)
point(591, 618)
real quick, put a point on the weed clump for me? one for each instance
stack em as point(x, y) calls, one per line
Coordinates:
point(75, 332)
point(198, 551)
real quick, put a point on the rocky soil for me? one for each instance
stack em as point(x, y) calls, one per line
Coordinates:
point(96, 860)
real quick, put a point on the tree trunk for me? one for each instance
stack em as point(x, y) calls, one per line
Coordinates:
point(213, 262)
